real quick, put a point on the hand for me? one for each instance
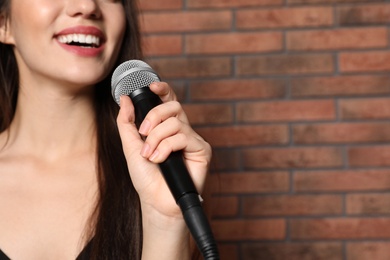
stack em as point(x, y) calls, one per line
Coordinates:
point(167, 129)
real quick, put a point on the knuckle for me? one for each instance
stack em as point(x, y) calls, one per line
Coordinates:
point(165, 147)
point(176, 105)
point(174, 123)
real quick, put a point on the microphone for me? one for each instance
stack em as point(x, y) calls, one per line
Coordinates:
point(132, 78)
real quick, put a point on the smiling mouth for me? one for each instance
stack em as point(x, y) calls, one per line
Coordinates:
point(81, 40)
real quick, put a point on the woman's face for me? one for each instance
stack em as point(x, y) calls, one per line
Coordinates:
point(68, 41)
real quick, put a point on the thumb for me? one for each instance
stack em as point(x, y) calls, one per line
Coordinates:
point(131, 140)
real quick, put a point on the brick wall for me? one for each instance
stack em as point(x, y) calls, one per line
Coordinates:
point(294, 96)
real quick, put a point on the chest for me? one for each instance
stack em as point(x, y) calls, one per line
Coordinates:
point(45, 209)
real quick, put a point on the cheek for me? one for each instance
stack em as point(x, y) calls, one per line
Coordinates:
point(32, 21)
point(115, 33)
point(27, 41)
point(117, 25)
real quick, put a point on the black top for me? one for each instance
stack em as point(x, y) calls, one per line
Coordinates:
point(84, 254)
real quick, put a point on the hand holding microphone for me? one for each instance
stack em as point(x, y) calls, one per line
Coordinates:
point(169, 139)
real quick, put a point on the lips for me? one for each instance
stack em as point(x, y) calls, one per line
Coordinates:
point(82, 40)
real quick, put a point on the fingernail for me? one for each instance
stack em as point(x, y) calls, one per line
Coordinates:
point(154, 155)
point(145, 150)
point(144, 128)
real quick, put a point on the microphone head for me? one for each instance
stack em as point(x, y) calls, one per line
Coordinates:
point(130, 76)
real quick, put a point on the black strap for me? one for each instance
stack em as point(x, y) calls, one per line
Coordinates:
point(3, 256)
point(85, 254)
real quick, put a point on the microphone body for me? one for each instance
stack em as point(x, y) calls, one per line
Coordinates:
point(173, 168)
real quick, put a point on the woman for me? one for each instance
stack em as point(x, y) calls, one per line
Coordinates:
point(71, 184)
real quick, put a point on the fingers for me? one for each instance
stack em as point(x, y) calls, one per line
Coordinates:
point(171, 109)
point(171, 135)
point(164, 91)
point(158, 148)
point(160, 114)
point(126, 112)
point(166, 128)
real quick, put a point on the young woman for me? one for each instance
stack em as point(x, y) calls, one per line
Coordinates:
point(76, 179)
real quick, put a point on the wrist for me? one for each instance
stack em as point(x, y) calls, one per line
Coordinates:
point(154, 218)
point(164, 237)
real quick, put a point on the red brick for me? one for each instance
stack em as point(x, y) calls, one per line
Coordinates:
point(340, 86)
point(369, 156)
point(190, 21)
point(225, 160)
point(365, 61)
point(158, 5)
point(337, 39)
point(293, 251)
point(363, 109)
point(231, 136)
point(238, 89)
point(226, 206)
point(228, 251)
point(368, 250)
point(285, 18)
point(192, 67)
point(231, 3)
point(308, 2)
point(376, 13)
point(283, 158)
point(341, 133)
point(292, 205)
point(368, 204)
point(162, 45)
point(250, 182)
point(294, 64)
point(180, 90)
point(303, 110)
point(234, 43)
point(199, 114)
point(236, 230)
point(340, 228)
point(342, 180)
point(293, 95)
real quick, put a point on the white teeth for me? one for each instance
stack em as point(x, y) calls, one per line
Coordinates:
point(88, 39)
point(79, 38)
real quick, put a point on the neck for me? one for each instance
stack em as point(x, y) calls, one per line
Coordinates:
point(51, 124)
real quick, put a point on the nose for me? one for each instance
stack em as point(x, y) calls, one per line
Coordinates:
point(88, 9)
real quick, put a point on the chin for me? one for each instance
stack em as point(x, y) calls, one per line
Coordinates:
point(87, 79)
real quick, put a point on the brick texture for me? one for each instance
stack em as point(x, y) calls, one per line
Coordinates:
point(294, 97)
point(293, 251)
point(340, 228)
point(369, 250)
point(294, 17)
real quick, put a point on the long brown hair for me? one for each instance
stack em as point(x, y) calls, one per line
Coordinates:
point(117, 231)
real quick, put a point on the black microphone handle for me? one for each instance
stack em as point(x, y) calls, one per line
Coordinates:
point(179, 181)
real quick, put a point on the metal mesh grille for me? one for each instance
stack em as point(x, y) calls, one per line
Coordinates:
point(130, 76)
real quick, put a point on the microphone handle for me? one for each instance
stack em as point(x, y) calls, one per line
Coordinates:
point(179, 181)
